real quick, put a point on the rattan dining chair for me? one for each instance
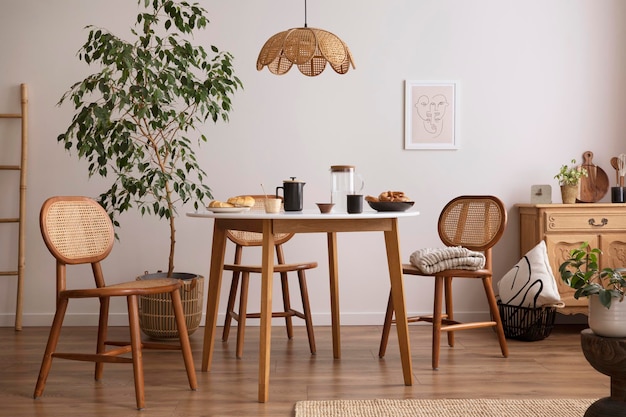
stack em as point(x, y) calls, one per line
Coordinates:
point(241, 275)
point(476, 223)
point(77, 230)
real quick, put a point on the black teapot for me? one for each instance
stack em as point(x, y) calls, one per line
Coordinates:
point(293, 194)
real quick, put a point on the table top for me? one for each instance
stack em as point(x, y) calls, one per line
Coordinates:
point(307, 214)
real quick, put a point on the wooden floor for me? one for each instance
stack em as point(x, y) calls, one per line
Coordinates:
point(552, 368)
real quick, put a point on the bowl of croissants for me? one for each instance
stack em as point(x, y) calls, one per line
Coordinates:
point(390, 201)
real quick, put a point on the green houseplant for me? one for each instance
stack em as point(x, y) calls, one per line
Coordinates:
point(136, 120)
point(581, 272)
point(604, 288)
point(136, 116)
point(569, 178)
point(570, 175)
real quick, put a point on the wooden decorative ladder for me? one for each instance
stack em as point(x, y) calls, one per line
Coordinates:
point(21, 219)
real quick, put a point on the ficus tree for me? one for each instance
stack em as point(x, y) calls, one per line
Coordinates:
point(138, 117)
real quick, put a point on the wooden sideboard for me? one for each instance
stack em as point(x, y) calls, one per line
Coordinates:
point(565, 227)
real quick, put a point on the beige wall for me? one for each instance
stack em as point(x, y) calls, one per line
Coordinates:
point(540, 83)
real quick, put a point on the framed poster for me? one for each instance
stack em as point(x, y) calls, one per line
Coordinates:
point(430, 120)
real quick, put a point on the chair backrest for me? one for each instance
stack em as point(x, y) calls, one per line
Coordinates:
point(474, 222)
point(252, 238)
point(76, 230)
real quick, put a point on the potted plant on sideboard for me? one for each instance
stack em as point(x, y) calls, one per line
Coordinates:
point(604, 287)
point(136, 117)
point(569, 180)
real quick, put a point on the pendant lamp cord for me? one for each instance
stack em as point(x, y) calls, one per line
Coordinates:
point(305, 13)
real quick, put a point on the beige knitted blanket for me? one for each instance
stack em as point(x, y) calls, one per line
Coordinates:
point(431, 260)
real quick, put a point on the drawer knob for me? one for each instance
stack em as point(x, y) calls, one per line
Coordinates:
point(603, 222)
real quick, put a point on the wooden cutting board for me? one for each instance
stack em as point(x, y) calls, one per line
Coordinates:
point(595, 185)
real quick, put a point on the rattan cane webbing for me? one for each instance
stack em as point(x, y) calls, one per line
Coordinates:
point(79, 229)
point(471, 223)
point(244, 238)
point(308, 48)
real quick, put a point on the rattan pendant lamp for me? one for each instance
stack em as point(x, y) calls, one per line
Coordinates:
point(308, 48)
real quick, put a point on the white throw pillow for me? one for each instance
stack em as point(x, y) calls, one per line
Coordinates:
point(530, 283)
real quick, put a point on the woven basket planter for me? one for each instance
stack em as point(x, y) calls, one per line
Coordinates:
point(156, 315)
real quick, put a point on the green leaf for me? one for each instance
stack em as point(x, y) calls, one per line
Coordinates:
point(605, 298)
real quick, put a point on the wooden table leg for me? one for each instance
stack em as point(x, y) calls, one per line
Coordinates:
point(333, 272)
point(213, 297)
point(394, 261)
point(266, 310)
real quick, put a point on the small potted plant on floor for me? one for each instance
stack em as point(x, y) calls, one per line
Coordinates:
point(569, 180)
point(604, 287)
point(137, 117)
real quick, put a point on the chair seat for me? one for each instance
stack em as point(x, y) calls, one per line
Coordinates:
point(139, 287)
point(456, 273)
point(278, 268)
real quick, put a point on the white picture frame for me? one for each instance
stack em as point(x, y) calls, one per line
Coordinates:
point(430, 120)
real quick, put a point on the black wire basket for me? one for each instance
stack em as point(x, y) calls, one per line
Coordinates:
point(528, 324)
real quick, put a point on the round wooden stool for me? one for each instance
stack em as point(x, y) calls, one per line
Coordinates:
point(608, 356)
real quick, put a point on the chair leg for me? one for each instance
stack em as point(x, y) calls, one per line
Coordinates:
point(449, 308)
point(232, 295)
point(280, 259)
point(53, 339)
point(183, 336)
point(286, 304)
point(306, 307)
point(230, 306)
point(437, 321)
point(386, 328)
point(135, 342)
point(103, 325)
point(243, 306)
point(495, 313)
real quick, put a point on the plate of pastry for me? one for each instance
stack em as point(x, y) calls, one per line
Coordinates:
point(391, 205)
point(228, 209)
point(232, 205)
point(390, 201)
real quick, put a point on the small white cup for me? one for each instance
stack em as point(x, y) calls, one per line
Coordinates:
point(272, 205)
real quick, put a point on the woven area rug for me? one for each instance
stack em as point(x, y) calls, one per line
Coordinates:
point(444, 408)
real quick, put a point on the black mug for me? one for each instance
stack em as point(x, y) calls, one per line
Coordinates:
point(355, 203)
point(618, 194)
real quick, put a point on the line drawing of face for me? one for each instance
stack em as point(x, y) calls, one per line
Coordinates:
point(432, 111)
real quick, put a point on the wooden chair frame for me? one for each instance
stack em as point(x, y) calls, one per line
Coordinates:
point(241, 273)
point(476, 223)
point(77, 230)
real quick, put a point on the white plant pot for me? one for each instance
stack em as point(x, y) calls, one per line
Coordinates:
point(607, 322)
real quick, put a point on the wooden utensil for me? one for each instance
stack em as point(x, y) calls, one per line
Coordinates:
point(615, 165)
point(595, 185)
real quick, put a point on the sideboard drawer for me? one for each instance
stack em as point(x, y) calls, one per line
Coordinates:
point(556, 221)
